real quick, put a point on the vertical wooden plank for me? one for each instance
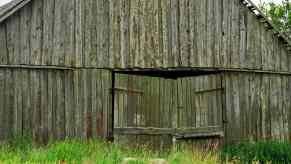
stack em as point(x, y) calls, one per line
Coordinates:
point(203, 32)
point(198, 101)
point(78, 35)
point(26, 102)
point(195, 100)
point(189, 90)
point(3, 45)
point(258, 56)
point(235, 33)
point(175, 45)
point(115, 46)
point(108, 107)
point(215, 102)
point(217, 32)
point(25, 31)
point(274, 107)
point(51, 80)
point(251, 40)
point(94, 75)
point(104, 33)
point(266, 106)
point(84, 99)
point(88, 102)
point(184, 32)
point(36, 32)
point(270, 49)
point(58, 57)
point(228, 108)
point(134, 30)
point(125, 33)
point(44, 106)
point(152, 25)
point(193, 32)
point(69, 30)
point(36, 104)
point(165, 32)
point(102, 113)
point(17, 110)
point(210, 32)
point(9, 102)
point(284, 59)
point(219, 99)
point(243, 91)
point(90, 32)
point(50, 84)
point(142, 33)
point(243, 36)
point(48, 25)
point(78, 103)
point(236, 106)
point(60, 105)
point(264, 48)
point(226, 6)
point(2, 106)
point(69, 107)
point(13, 39)
point(280, 84)
point(253, 105)
point(284, 123)
point(276, 54)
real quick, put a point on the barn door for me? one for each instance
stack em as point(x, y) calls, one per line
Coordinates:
point(155, 111)
point(200, 110)
point(143, 110)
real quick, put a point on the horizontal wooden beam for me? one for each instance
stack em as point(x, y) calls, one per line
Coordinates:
point(177, 132)
point(218, 134)
point(202, 70)
point(35, 67)
point(120, 89)
point(143, 131)
point(208, 90)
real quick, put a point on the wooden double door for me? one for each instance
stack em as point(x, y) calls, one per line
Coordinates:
point(160, 112)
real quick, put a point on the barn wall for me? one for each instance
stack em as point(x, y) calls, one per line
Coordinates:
point(257, 106)
point(54, 104)
point(57, 32)
point(141, 33)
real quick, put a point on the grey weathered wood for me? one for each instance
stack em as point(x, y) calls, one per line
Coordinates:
point(36, 32)
point(2, 106)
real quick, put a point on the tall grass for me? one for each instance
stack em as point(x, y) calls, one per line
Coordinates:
point(260, 152)
point(22, 150)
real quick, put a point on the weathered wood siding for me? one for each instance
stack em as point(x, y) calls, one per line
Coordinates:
point(54, 104)
point(57, 32)
point(141, 33)
point(257, 106)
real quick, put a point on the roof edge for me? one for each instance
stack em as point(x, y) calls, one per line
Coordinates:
point(11, 8)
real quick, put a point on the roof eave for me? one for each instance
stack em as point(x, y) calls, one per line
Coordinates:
point(11, 8)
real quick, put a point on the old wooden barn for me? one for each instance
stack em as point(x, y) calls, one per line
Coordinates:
point(156, 72)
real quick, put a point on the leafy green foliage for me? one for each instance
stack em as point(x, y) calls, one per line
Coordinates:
point(271, 151)
point(280, 15)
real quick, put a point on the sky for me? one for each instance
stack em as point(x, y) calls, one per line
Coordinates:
point(2, 2)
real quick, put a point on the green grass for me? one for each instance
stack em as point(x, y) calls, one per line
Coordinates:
point(260, 152)
point(22, 150)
